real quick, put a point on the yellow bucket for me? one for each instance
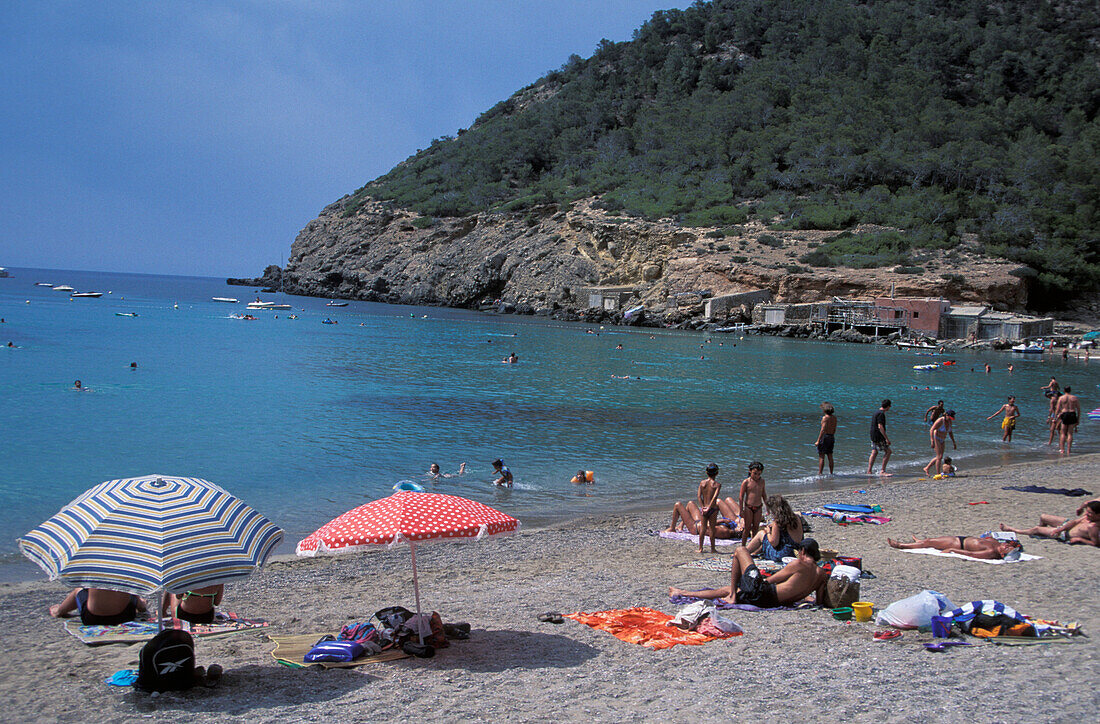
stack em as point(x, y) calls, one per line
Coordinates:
point(863, 610)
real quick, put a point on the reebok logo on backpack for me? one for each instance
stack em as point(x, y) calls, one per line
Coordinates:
point(167, 662)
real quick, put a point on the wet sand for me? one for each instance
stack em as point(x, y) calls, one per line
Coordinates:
point(789, 665)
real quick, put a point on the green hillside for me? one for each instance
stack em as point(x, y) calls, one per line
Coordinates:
point(937, 117)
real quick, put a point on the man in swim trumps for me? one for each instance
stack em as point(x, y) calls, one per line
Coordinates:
point(826, 438)
point(985, 548)
point(1068, 414)
point(1084, 530)
point(794, 582)
point(879, 440)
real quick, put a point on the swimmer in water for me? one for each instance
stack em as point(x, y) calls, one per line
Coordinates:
point(583, 477)
point(511, 359)
point(435, 473)
point(80, 387)
point(505, 475)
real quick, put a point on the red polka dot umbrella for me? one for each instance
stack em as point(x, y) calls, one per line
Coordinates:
point(410, 517)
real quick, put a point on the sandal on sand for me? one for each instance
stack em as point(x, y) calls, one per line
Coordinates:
point(887, 635)
point(551, 617)
point(213, 675)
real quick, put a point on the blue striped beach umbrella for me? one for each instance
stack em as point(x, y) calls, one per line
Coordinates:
point(156, 532)
point(1095, 414)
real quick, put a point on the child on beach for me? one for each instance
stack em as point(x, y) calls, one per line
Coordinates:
point(707, 497)
point(751, 501)
point(1011, 413)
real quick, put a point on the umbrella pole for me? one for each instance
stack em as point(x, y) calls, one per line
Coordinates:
point(161, 595)
point(416, 589)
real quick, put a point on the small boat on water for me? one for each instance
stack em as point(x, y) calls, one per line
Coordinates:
point(125, 314)
point(922, 345)
point(334, 303)
point(925, 368)
point(267, 305)
point(89, 295)
point(1028, 349)
point(43, 284)
point(4, 272)
point(63, 288)
point(227, 300)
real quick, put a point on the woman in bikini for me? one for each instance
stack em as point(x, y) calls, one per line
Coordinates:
point(688, 518)
point(967, 545)
point(196, 606)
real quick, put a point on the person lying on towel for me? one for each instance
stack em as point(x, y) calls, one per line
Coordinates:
point(790, 585)
point(1084, 530)
point(967, 545)
point(99, 606)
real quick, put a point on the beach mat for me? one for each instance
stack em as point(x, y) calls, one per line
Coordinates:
point(934, 552)
point(291, 650)
point(684, 535)
point(721, 565)
point(1028, 641)
point(643, 626)
point(145, 628)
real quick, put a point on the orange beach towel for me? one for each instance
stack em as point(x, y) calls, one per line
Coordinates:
point(641, 625)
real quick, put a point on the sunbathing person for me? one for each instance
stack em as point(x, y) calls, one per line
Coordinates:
point(796, 581)
point(776, 541)
point(196, 606)
point(99, 606)
point(1084, 530)
point(689, 518)
point(968, 545)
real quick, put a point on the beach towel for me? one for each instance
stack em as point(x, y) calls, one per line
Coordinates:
point(290, 650)
point(934, 552)
point(145, 628)
point(725, 564)
point(643, 626)
point(684, 535)
point(1071, 492)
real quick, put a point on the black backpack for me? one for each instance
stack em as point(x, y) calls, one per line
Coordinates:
point(167, 662)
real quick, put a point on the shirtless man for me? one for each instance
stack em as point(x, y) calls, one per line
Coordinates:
point(934, 411)
point(1084, 530)
point(1068, 413)
point(1011, 413)
point(794, 582)
point(985, 548)
point(1051, 389)
point(938, 435)
point(99, 606)
point(826, 438)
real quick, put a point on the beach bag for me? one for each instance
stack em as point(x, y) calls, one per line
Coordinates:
point(167, 662)
point(915, 611)
point(840, 591)
point(339, 651)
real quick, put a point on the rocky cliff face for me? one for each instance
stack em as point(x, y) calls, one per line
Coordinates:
point(548, 257)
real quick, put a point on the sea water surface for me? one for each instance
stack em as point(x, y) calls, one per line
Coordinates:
point(306, 420)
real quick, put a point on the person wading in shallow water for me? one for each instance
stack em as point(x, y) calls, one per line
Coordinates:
point(879, 440)
point(826, 438)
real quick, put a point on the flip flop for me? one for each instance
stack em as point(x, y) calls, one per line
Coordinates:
point(887, 635)
point(551, 617)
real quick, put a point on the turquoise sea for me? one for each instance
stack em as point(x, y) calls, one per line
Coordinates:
point(305, 420)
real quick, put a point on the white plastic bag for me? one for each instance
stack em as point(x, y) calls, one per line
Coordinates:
point(690, 615)
point(915, 611)
point(850, 572)
point(725, 624)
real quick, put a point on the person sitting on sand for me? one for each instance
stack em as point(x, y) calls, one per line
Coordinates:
point(687, 518)
point(776, 541)
point(99, 606)
point(967, 545)
point(794, 582)
point(196, 606)
point(1084, 530)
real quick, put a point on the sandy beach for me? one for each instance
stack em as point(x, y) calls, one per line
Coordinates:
point(789, 665)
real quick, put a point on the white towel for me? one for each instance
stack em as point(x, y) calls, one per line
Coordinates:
point(934, 552)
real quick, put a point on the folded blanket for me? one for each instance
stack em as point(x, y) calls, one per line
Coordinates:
point(934, 552)
point(643, 626)
point(146, 628)
point(1071, 492)
point(684, 535)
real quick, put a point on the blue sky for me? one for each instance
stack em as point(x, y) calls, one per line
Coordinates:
point(200, 137)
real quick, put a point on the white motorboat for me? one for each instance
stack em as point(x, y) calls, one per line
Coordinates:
point(267, 305)
point(1029, 349)
point(4, 272)
point(922, 345)
point(89, 295)
point(63, 288)
point(43, 284)
point(227, 300)
point(334, 303)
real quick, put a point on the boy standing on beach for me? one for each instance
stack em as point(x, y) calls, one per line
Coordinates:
point(709, 488)
point(826, 438)
point(751, 501)
point(879, 440)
